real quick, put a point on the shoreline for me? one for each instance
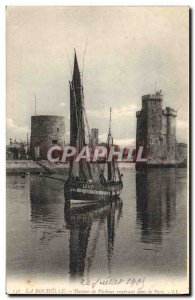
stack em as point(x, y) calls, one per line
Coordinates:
point(30, 166)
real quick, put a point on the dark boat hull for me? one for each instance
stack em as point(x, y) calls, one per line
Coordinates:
point(88, 193)
point(78, 197)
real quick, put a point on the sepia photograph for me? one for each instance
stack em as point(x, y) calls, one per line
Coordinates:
point(97, 150)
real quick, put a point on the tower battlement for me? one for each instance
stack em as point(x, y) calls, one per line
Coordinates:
point(157, 96)
point(138, 113)
point(168, 111)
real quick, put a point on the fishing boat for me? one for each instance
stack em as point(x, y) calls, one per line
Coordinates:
point(87, 183)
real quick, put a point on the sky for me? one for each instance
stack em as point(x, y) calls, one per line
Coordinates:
point(128, 50)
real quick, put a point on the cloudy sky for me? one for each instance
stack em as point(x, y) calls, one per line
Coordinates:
point(128, 49)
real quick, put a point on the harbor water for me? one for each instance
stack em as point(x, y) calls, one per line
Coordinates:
point(142, 233)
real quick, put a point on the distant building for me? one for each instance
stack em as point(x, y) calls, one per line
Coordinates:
point(94, 140)
point(17, 150)
point(156, 131)
point(46, 131)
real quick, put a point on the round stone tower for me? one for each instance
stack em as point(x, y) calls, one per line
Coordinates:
point(171, 115)
point(46, 131)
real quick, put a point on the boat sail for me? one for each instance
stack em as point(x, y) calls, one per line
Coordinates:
point(82, 185)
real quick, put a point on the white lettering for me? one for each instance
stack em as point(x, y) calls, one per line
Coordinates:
point(49, 153)
point(113, 153)
point(84, 154)
point(100, 151)
point(139, 155)
point(66, 154)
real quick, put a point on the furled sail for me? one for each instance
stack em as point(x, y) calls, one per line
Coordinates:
point(77, 127)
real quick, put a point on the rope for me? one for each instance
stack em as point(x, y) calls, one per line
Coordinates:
point(55, 189)
point(84, 60)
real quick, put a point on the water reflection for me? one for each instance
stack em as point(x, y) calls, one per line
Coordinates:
point(79, 221)
point(155, 205)
point(46, 210)
point(80, 226)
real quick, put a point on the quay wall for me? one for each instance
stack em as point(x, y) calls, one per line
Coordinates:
point(22, 166)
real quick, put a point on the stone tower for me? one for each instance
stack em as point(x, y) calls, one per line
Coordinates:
point(94, 137)
point(46, 131)
point(171, 115)
point(149, 123)
point(156, 130)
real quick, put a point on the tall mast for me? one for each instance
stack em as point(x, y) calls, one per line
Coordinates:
point(35, 105)
point(109, 131)
point(110, 121)
point(109, 164)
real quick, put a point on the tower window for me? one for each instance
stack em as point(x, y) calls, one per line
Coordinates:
point(58, 129)
point(54, 142)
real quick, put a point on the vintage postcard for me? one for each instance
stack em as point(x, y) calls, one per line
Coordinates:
point(97, 150)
